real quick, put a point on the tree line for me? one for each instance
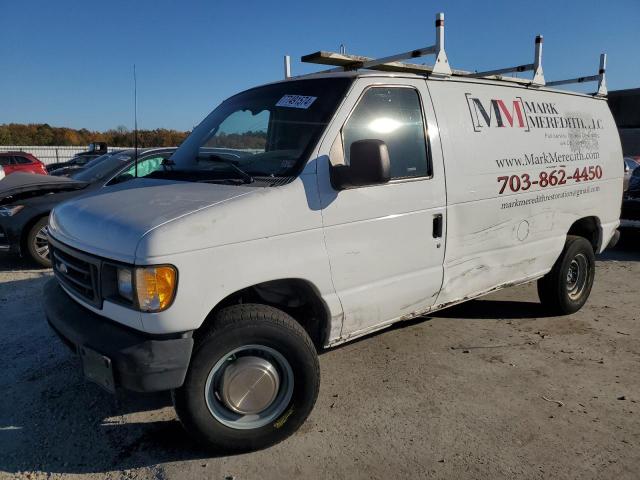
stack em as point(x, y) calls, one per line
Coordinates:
point(42, 134)
point(251, 140)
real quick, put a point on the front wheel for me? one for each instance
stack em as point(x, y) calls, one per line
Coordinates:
point(566, 288)
point(38, 242)
point(252, 382)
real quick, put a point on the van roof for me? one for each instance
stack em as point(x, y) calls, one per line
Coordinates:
point(512, 82)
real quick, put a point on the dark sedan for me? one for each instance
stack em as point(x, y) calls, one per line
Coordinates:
point(630, 215)
point(94, 151)
point(79, 166)
point(26, 200)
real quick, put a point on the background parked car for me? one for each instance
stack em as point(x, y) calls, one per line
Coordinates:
point(13, 162)
point(630, 214)
point(78, 167)
point(1, 172)
point(630, 164)
point(27, 200)
point(633, 190)
point(80, 160)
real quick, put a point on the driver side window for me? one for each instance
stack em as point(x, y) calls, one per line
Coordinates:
point(393, 115)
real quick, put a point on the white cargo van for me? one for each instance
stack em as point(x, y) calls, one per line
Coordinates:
point(308, 212)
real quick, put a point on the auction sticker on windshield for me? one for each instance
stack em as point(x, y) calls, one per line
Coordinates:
point(296, 101)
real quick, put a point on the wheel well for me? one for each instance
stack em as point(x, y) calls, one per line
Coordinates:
point(297, 297)
point(27, 228)
point(589, 228)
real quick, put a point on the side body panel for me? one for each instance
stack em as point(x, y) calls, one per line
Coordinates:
point(514, 160)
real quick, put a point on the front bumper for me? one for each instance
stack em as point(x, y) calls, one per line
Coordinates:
point(141, 362)
point(9, 237)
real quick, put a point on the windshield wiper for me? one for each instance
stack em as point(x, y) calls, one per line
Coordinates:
point(245, 176)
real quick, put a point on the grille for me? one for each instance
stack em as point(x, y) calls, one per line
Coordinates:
point(78, 273)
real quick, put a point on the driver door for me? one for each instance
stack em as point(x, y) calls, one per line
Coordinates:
point(385, 242)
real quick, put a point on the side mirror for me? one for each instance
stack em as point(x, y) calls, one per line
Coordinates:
point(368, 165)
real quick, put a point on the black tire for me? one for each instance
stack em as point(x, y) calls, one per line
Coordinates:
point(563, 290)
point(34, 243)
point(235, 327)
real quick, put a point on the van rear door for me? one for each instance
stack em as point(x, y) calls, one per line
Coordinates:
point(386, 242)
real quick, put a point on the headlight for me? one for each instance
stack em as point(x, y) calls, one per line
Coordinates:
point(125, 283)
point(10, 211)
point(152, 288)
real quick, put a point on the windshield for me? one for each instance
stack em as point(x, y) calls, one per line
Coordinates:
point(103, 168)
point(267, 131)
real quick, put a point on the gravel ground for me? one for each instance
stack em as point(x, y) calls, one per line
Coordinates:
point(489, 389)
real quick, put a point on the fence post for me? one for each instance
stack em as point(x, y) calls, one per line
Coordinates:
point(57, 161)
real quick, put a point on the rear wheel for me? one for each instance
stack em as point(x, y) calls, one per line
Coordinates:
point(566, 288)
point(38, 242)
point(253, 380)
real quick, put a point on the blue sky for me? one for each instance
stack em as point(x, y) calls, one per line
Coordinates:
point(69, 63)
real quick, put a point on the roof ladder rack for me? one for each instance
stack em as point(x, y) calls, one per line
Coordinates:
point(536, 67)
point(441, 67)
point(600, 78)
point(390, 63)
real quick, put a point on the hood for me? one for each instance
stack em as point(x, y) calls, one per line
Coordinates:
point(111, 221)
point(20, 183)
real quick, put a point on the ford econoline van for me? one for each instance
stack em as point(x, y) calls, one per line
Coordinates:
point(309, 212)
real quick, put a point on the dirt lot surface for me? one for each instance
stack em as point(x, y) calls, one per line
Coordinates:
point(487, 390)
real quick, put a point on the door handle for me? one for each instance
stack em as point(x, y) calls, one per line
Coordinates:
point(437, 225)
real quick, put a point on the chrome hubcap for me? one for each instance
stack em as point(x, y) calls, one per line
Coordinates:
point(41, 242)
point(249, 387)
point(577, 276)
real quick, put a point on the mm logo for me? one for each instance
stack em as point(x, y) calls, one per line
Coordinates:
point(497, 113)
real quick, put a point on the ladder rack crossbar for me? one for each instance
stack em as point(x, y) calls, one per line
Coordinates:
point(535, 67)
point(421, 52)
point(520, 68)
point(353, 62)
point(600, 78)
point(592, 78)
